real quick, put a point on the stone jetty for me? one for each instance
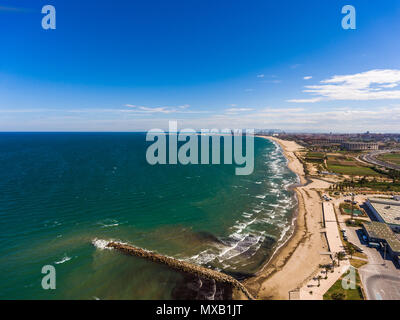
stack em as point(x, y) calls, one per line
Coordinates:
point(182, 266)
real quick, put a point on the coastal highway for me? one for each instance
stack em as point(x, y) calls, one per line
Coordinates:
point(372, 158)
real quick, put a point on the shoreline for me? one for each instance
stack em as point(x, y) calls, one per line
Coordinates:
point(298, 258)
point(302, 181)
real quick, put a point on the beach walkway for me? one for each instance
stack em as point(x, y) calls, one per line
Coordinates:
point(331, 226)
point(311, 291)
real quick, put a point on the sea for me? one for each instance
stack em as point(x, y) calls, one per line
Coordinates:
point(63, 196)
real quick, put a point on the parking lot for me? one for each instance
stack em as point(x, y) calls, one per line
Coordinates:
point(380, 277)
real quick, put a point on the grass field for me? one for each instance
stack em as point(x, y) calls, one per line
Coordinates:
point(347, 165)
point(352, 170)
point(337, 292)
point(390, 157)
point(315, 157)
point(356, 263)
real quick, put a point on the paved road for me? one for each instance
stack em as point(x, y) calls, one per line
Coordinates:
point(381, 278)
point(372, 158)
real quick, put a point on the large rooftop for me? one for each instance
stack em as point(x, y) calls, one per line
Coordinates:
point(389, 210)
point(382, 231)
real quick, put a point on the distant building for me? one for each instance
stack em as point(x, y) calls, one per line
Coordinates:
point(387, 211)
point(360, 146)
point(378, 232)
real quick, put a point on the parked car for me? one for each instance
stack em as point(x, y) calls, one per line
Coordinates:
point(374, 245)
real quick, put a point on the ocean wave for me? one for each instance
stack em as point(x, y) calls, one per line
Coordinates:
point(64, 259)
point(109, 223)
point(248, 233)
point(101, 244)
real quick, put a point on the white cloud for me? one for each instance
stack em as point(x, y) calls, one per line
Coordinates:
point(283, 110)
point(237, 110)
point(307, 78)
point(305, 100)
point(165, 110)
point(370, 85)
point(346, 119)
point(260, 76)
point(143, 109)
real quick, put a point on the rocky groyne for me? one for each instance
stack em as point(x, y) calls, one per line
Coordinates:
point(182, 266)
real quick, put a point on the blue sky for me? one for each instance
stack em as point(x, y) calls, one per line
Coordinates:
point(133, 65)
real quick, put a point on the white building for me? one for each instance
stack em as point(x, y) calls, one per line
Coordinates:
point(387, 211)
point(360, 146)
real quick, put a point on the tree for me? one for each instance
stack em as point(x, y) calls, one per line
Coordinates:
point(327, 267)
point(338, 296)
point(350, 251)
point(339, 256)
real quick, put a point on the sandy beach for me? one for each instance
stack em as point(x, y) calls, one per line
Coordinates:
point(296, 262)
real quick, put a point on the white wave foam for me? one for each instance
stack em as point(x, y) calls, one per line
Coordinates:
point(101, 244)
point(110, 225)
point(64, 259)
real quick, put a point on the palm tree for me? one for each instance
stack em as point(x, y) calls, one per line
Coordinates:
point(339, 256)
point(350, 251)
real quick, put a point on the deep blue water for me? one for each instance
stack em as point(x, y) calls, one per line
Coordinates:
point(62, 192)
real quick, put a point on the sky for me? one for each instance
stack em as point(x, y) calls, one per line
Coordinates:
point(263, 64)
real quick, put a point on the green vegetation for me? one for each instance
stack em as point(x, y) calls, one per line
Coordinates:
point(347, 165)
point(336, 292)
point(365, 183)
point(354, 223)
point(352, 250)
point(352, 170)
point(370, 185)
point(390, 157)
point(356, 263)
point(345, 209)
point(317, 157)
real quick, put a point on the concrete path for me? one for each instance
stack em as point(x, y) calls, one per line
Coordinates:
point(331, 226)
point(311, 291)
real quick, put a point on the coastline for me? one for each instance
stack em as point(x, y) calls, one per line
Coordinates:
point(298, 258)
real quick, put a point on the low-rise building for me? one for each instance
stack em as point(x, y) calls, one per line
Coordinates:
point(386, 211)
point(378, 232)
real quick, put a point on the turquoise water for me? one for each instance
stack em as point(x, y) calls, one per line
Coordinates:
point(61, 194)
